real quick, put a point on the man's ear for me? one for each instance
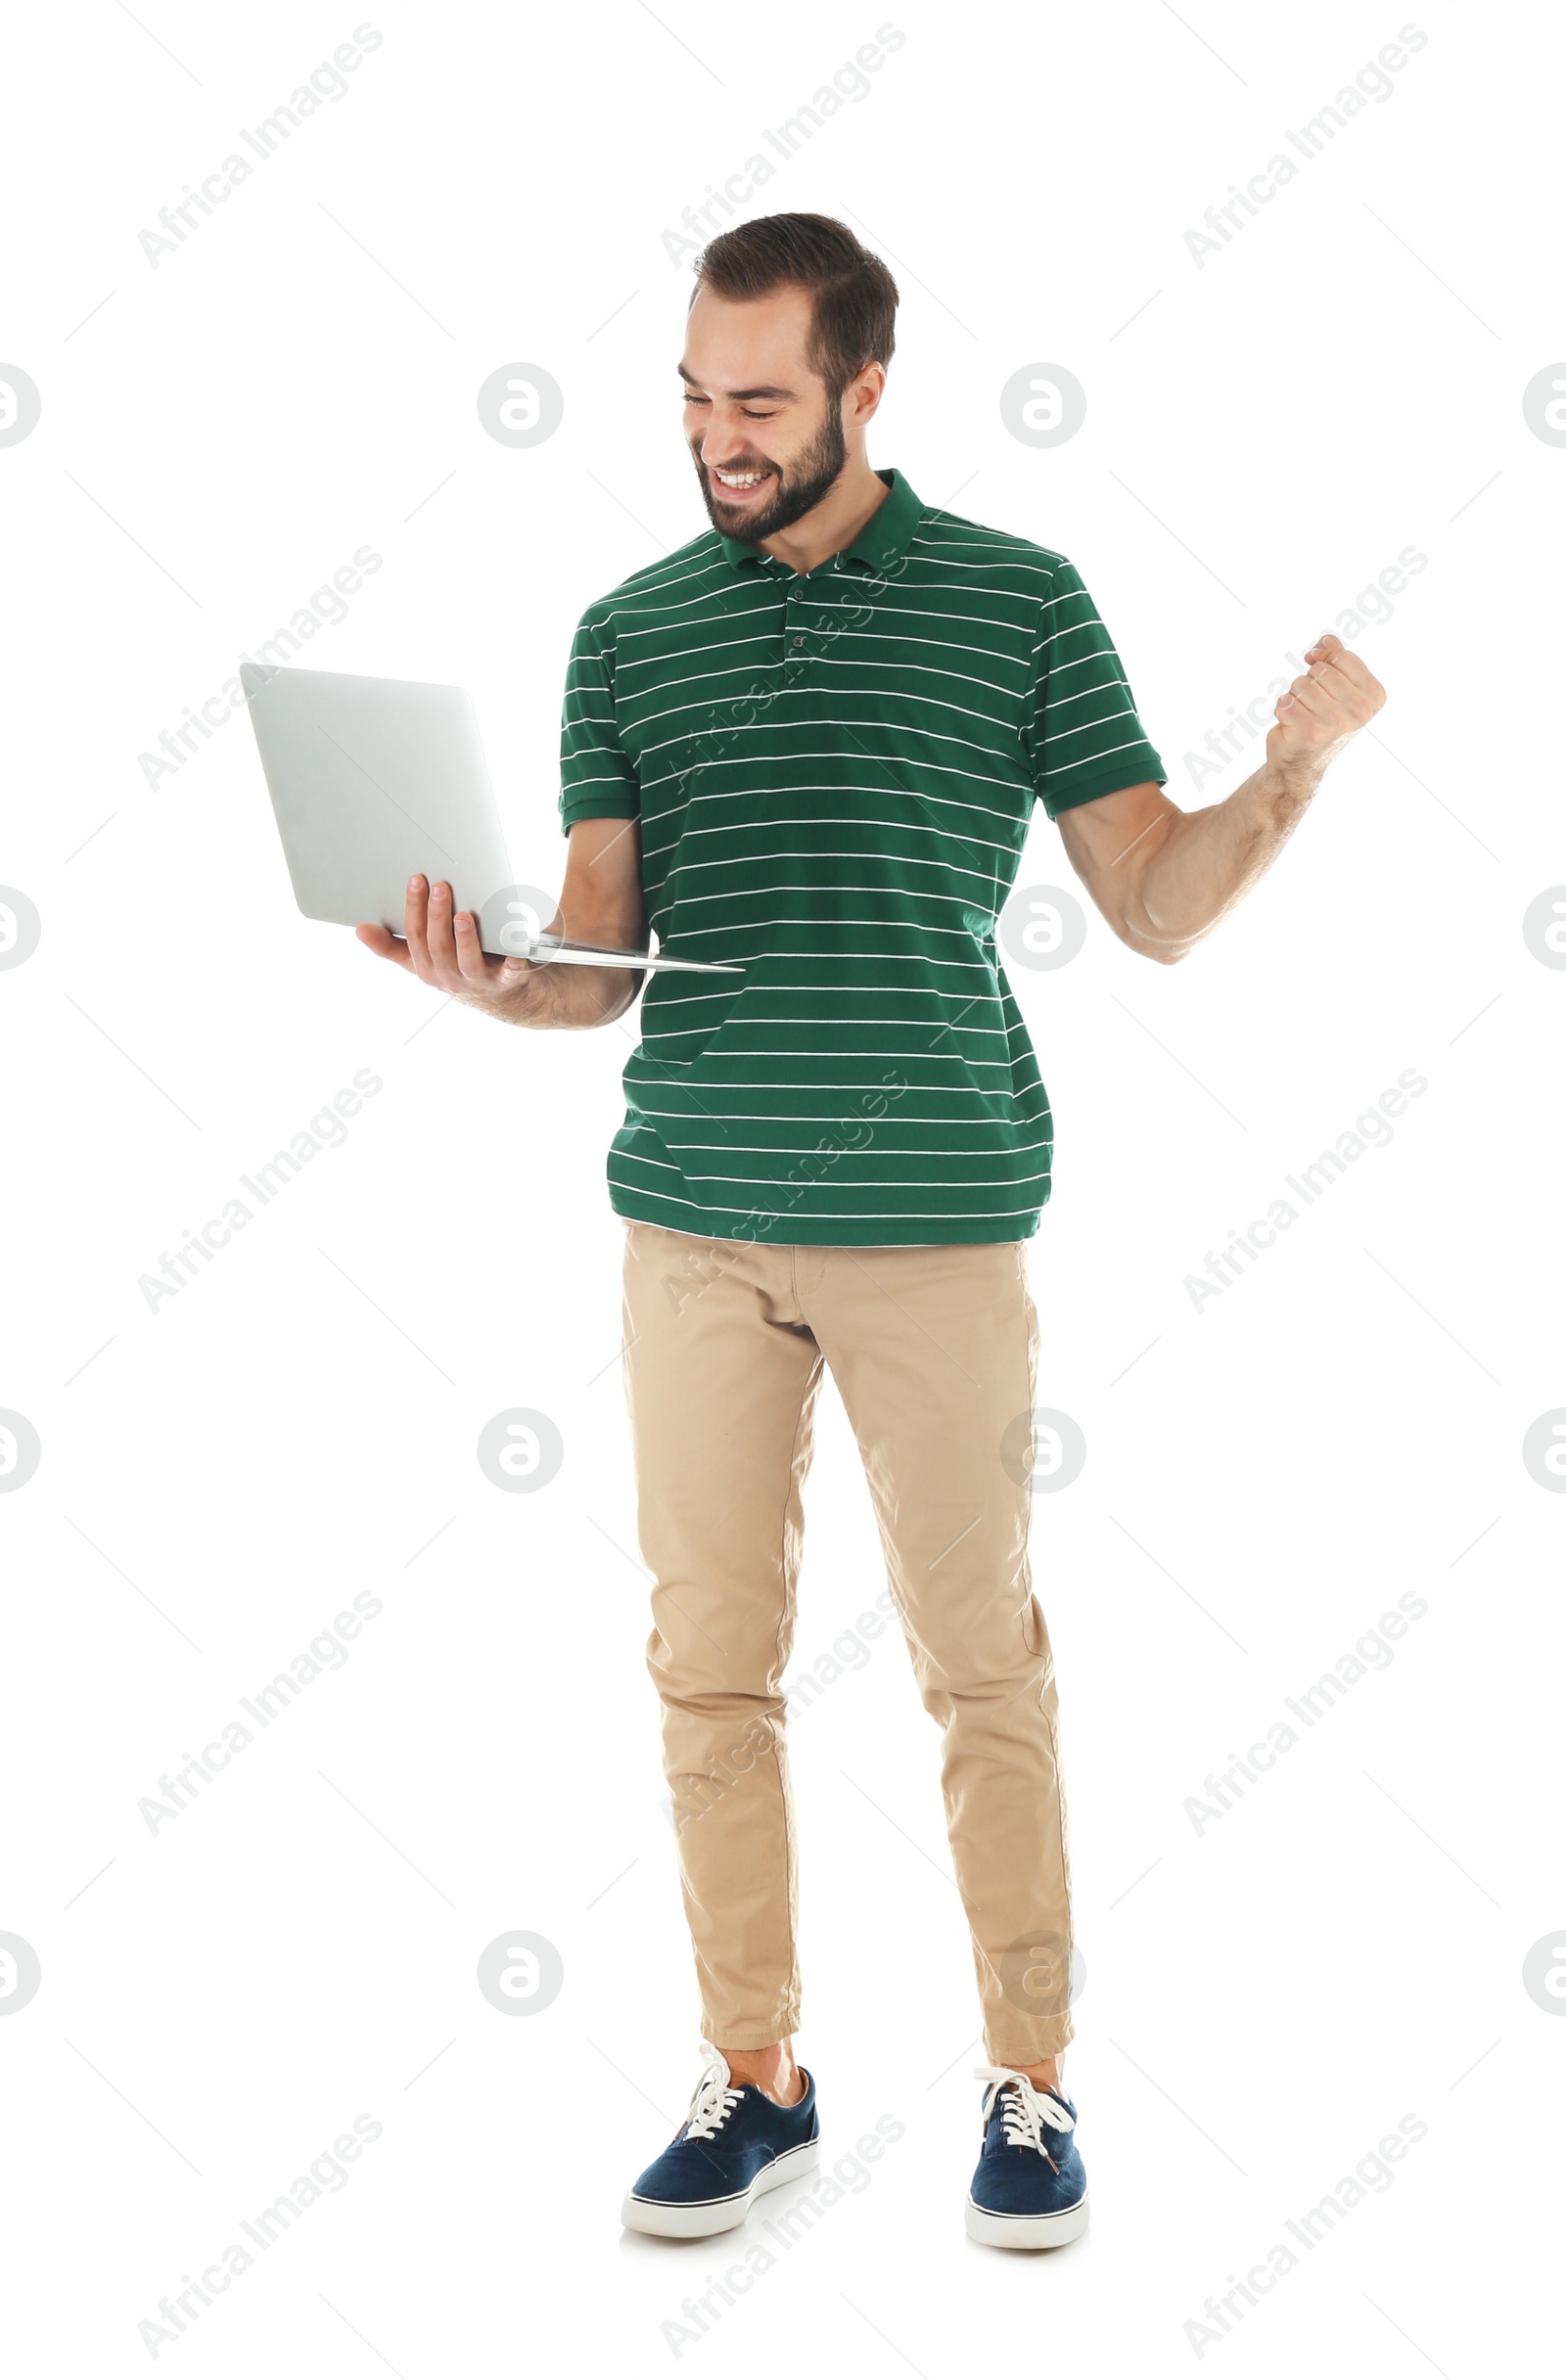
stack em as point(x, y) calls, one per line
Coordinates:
point(863, 393)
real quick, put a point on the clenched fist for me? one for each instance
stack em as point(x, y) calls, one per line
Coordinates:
point(1322, 710)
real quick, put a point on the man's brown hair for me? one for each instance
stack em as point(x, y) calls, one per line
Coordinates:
point(855, 299)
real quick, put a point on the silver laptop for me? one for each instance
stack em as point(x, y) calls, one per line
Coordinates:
point(374, 780)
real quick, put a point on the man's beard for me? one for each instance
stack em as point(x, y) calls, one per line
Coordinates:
point(798, 491)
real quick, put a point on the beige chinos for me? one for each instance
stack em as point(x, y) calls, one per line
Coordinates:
point(933, 1350)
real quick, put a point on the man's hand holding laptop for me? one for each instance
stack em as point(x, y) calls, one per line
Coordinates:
point(600, 902)
point(371, 778)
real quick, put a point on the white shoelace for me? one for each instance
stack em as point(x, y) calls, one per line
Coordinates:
point(1024, 2110)
point(716, 2097)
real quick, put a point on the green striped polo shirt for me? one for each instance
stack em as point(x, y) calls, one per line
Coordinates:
point(835, 773)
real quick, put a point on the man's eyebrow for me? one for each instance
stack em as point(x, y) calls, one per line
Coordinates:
point(691, 382)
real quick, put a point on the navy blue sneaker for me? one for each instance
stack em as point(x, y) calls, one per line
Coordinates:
point(735, 2143)
point(1029, 2189)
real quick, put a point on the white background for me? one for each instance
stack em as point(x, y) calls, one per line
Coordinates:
point(1265, 434)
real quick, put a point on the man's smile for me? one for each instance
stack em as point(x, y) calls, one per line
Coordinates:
point(740, 485)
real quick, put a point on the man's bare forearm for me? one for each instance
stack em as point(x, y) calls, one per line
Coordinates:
point(1164, 879)
point(1199, 864)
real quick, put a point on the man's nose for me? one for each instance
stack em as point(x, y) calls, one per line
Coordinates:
point(724, 450)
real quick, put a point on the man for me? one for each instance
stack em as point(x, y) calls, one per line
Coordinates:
point(809, 743)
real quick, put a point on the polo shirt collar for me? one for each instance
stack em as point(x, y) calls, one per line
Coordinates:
point(884, 537)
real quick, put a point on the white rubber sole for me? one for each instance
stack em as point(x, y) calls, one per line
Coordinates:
point(1027, 2230)
point(670, 2220)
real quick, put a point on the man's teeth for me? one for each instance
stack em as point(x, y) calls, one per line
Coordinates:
point(741, 478)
